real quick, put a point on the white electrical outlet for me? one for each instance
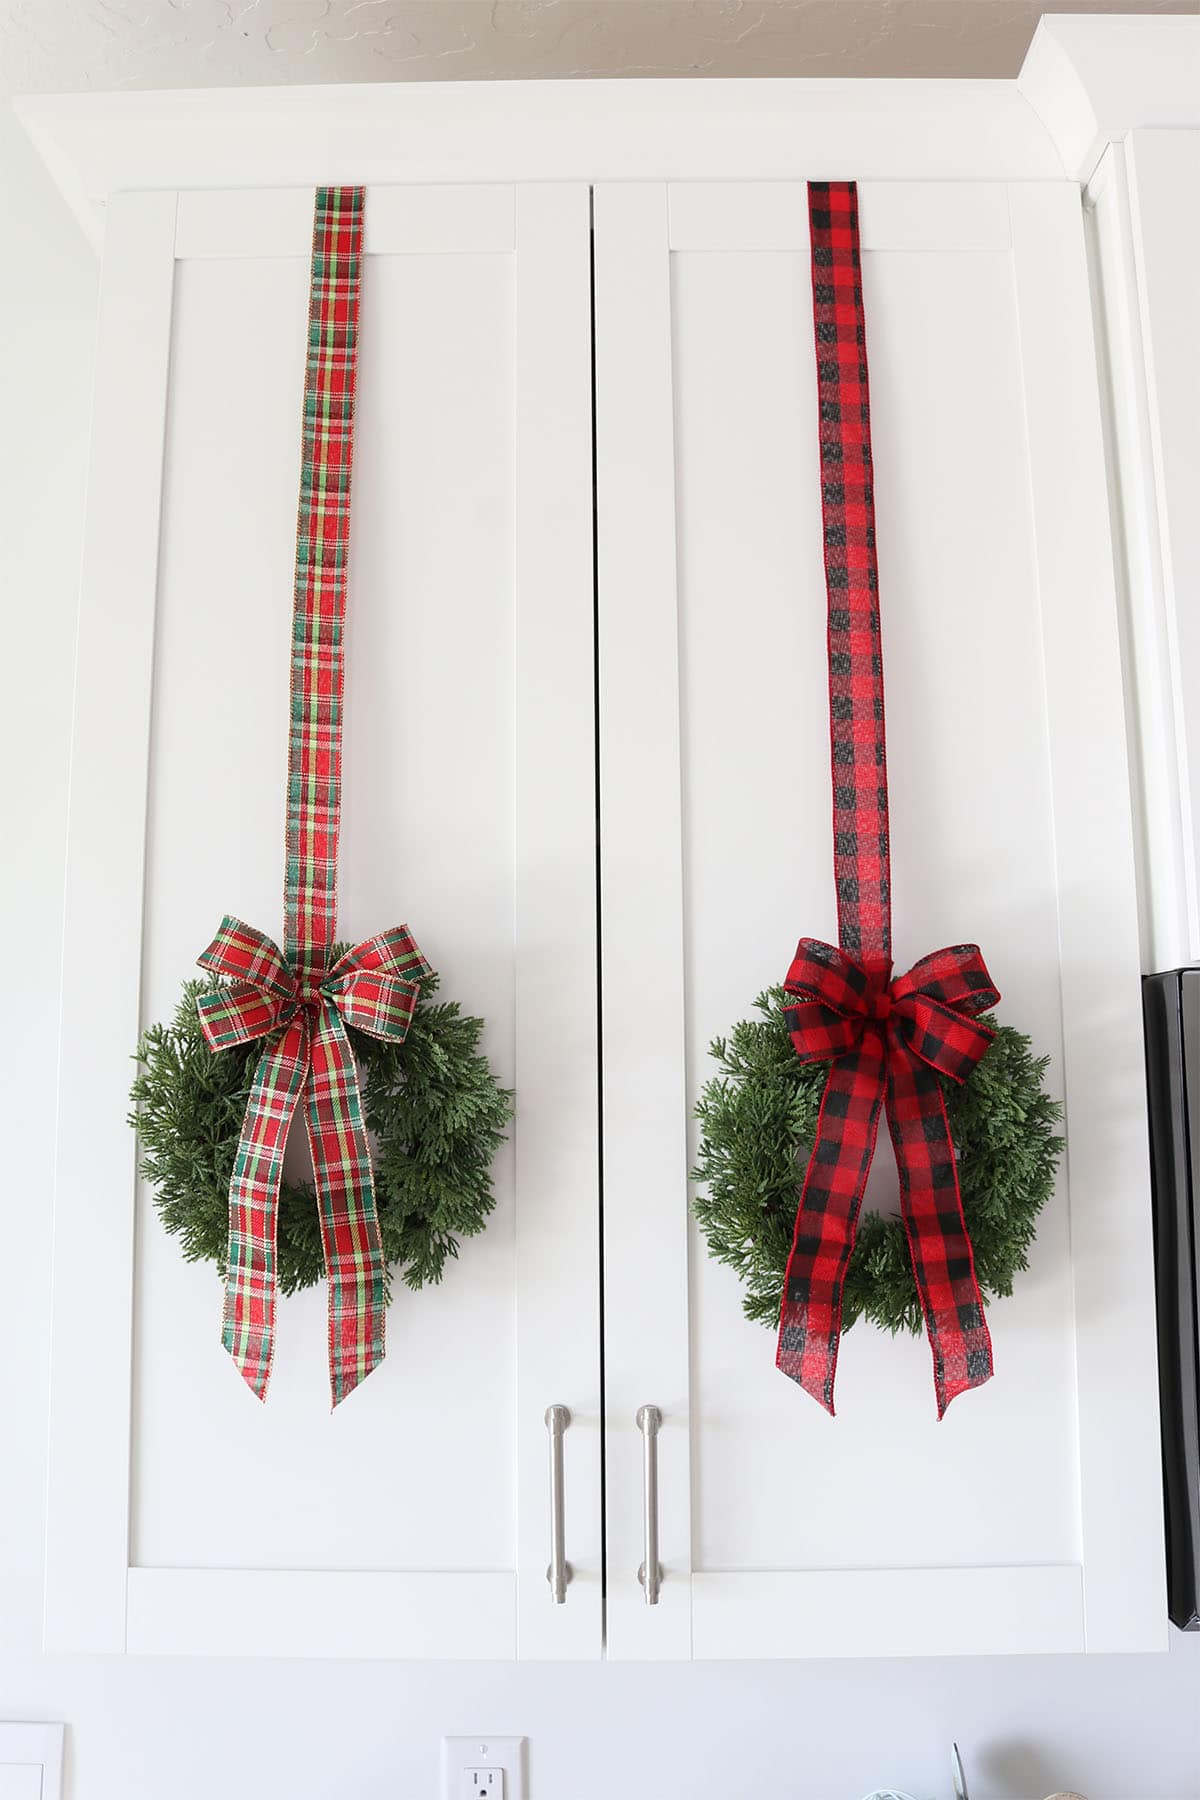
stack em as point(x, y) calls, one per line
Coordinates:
point(483, 1768)
point(481, 1784)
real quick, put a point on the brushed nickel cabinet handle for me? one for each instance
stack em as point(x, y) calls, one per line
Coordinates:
point(559, 1572)
point(650, 1574)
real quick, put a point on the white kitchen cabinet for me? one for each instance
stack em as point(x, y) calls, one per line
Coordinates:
point(593, 779)
point(414, 1521)
point(1029, 1518)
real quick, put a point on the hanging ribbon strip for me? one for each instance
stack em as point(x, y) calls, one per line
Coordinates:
point(299, 1000)
point(887, 1041)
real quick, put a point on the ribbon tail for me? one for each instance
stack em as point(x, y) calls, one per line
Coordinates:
point(248, 1325)
point(938, 1241)
point(354, 1264)
point(810, 1320)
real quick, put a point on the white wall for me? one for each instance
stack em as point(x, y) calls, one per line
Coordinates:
point(165, 43)
point(1116, 1729)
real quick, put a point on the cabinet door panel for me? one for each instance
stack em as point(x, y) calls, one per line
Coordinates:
point(415, 1519)
point(1010, 826)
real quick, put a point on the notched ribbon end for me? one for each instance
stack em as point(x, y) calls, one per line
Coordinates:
point(254, 1374)
point(344, 1381)
point(794, 1358)
point(815, 1390)
point(978, 1373)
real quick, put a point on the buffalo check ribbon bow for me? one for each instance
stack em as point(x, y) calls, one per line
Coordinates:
point(307, 1054)
point(300, 999)
point(889, 1043)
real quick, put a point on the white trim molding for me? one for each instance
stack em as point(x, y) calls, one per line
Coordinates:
point(1087, 80)
point(1093, 78)
point(431, 132)
point(1144, 300)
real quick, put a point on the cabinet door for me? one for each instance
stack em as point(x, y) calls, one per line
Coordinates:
point(1030, 1519)
point(414, 1521)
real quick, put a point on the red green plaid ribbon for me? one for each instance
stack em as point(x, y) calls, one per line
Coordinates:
point(887, 1041)
point(298, 1000)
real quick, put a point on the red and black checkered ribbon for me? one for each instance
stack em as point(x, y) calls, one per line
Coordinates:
point(300, 1000)
point(889, 1043)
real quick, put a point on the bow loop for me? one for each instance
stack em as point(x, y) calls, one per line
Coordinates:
point(935, 1006)
point(391, 952)
point(239, 1013)
point(823, 973)
point(239, 952)
point(380, 1005)
point(261, 991)
point(375, 986)
point(957, 977)
point(950, 1042)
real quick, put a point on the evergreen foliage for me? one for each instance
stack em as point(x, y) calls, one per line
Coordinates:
point(431, 1104)
point(758, 1118)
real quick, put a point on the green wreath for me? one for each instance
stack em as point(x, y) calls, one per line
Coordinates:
point(434, 1108)
point(758, 1119)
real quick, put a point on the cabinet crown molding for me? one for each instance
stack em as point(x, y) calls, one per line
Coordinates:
point(96, 145)
point(1091, 79)
point(1087, 79)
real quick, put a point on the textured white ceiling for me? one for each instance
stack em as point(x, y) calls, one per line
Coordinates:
point(78, 44)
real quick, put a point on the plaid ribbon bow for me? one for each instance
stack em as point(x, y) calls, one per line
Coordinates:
point(887, 1041)
point(373, 987)
point(300, 999)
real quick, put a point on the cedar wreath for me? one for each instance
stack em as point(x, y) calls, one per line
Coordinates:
point(432, 1104)
point(758, 1119)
